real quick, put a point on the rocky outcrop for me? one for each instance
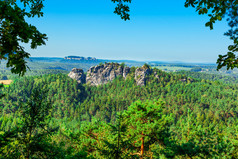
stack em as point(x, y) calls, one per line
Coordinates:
point(102, 74)
point(78, 75)
point(126, 71)
point(141, 75)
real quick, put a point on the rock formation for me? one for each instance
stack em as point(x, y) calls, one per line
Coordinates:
point(102, 74)
point(126, 71)
point(141, 75)
point(78, 75)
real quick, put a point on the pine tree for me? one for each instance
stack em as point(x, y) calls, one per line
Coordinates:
point(147, 125)
point(32, 133)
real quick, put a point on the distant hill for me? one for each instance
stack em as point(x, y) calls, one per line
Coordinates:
point(69, 62)
point(81, 58)
point(45, 59)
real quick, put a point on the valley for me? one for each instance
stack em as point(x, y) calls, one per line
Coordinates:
point(85, 110)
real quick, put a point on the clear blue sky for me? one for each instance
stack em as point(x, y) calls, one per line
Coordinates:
point(158, 30)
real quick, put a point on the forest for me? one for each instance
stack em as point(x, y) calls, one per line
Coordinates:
point(182, 112)
point(178, 115)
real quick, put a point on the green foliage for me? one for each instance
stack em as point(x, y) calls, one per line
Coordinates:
point(122, 9)
point(123, 64)
point(14, 30)
point(218, 78)
point(135, 131)
point(32, 131)
point(5, 139)
point(196, 69)
point(202, 124)
point(1, 94)
point(218, 10)
point(59, 91)
point(146, 66)
point(147, 125)
point(117, 144)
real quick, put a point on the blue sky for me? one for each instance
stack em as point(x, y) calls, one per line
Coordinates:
point(158, 31)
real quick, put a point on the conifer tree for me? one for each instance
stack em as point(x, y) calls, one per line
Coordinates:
point(32, 135)
point(147, 125)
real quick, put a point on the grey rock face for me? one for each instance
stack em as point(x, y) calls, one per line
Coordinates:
point(102, 74)
point(141, 75)
point(126, 71)
point(78, 75)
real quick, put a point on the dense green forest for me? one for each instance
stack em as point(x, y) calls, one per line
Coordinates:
point(178, 115)
point(46, 114)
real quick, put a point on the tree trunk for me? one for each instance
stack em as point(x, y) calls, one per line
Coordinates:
point(142, 145)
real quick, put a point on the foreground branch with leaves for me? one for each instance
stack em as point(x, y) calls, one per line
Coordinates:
point(15, 30)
